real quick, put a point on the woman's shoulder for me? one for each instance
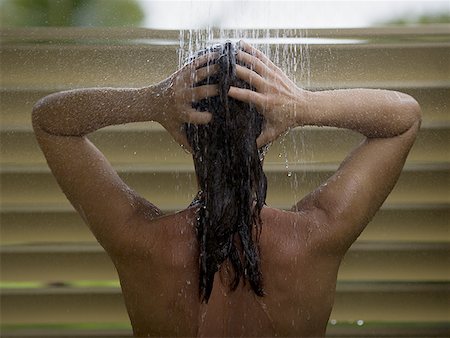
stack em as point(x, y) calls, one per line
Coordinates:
point(277, 216)
point(280, 227)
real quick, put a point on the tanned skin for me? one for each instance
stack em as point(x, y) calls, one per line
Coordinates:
point(156, 255)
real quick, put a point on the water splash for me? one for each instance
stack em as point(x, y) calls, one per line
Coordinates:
point(287, 48)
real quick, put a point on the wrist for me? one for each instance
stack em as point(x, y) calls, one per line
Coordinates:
point(152, 103)
point(304, 105)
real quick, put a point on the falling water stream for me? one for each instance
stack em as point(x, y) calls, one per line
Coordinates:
point(289, 50)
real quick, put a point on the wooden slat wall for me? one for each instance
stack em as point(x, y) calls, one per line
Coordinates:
point(394, 280)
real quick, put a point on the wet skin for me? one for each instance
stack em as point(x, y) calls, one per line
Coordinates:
point(156, 256)
point(158, 270)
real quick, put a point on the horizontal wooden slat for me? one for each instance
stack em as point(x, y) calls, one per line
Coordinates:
point(340, 329)
point(177, 207)
point(409, 225)
point(141, 146)
point(358, 301)
point(167, 188)
point(341, 287)
point(43, 227)
point(64, 331)
point(398, 263)
point(86, 263)
point(139, 65)
point(417, 306)
point(16, 104)
point(364, 262)
point(388, 330)
point(433, 32)
point(399, 224)
point(86, 307)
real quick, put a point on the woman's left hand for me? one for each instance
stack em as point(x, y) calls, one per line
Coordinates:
point(276, 97)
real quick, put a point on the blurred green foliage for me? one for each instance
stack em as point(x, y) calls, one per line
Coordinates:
point(418, 20)
point(63, 13)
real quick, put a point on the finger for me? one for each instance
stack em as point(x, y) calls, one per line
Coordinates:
point(257, 53)
point(203, 73)
point(245, 46)
point(202, 92)
point(254, 63)
point(248, 96)
point(203, 60)
point(251, 77)
point(196, 117)
point(261, 56)
point(268, 135)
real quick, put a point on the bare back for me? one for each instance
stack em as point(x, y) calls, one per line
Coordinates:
point(159, 275)
point(157, 256)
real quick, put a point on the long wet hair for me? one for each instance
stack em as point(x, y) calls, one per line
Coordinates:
point(232, 182)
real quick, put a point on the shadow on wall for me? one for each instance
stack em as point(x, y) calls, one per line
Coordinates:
point(70, 13)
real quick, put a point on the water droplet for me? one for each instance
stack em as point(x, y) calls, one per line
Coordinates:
point(185, 149)
point(360, 322)
point(203, 315)
point(148, 60)
point(279, 155)
point(134, 153)
point(188, 282)
point(333, 321)
point(289, 174)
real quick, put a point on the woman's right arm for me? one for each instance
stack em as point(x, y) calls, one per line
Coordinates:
point(62, 121)
point(390, 120)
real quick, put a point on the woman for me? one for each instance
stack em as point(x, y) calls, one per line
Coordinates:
point(160, 258)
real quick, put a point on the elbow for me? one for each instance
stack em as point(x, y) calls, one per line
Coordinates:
point(41, 112)
point(416, 116)
point(411, 108)
point(406, 113)
point(37, 112)
point(415, 111)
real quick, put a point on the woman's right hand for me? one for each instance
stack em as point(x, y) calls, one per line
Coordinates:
point(178, 92)
point(276, 97)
